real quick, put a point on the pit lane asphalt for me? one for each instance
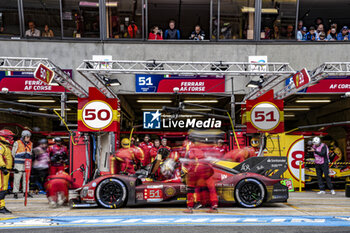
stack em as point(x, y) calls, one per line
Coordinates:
point(299, 203)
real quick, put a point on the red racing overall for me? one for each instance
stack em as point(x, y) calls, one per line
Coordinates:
point(199, 179)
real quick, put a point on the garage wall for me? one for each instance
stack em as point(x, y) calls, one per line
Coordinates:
point(69, 54)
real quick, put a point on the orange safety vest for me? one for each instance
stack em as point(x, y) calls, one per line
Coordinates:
point(24, 151)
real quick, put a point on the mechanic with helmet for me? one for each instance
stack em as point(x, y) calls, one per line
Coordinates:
point(6, 161)
point(41, 163)
point(22, 150)
point(58, 156)
point(321, 152)
point(124, 160)
point(255, 145)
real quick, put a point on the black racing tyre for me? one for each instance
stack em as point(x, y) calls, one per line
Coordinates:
point(111, 193)
point(250, 193)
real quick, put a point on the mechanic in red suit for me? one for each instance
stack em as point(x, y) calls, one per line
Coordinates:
point(239, 155)
point(146, 146)
point(139, 155)
point(199, 180)
point(58, 156)
point(164, 144)
point(220, 149)
point(124, 160)
point(154, 150)
point(57, 188)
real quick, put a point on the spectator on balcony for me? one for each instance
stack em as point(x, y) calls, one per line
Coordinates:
point(300, 25)
point(322, 36)
point(266, 34)
point(32, 31)
point(318, 21)
point(301, 34)
point(290, 32)
point(344, 34)
point(334, 25)
point(47, 32)
point(276, 32)
point(332, 34)
point(132, 29)
point(172, 33)
point(311, 35)
point(197, 34)
point(155, 34)
point(320, 28)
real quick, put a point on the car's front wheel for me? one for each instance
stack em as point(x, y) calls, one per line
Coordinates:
point(250, 193)
point(111, 193)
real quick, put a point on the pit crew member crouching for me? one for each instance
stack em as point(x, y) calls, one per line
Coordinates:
point(57, 188)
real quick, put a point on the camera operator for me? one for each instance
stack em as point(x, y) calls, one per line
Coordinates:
point(58, 156)
point(321, 151)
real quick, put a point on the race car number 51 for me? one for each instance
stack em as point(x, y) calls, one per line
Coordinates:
point(265, 116)
point(97, 114)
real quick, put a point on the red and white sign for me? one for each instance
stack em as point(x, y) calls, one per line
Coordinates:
point(18, 81)
point(156, 83)
point(98, 113)
point(301, 78)
point(295, 157)
point(331, 85)
point(44, 74)
point(264, 114)
point(27, 169)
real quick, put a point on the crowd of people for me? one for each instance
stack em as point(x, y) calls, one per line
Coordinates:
point(316, 32)
point(34, 32)
point(319, 32)
point(47, 161)
point(174, 34)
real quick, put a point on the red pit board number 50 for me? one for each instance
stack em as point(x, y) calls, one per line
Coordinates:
point(44, 74)
point(97, 115)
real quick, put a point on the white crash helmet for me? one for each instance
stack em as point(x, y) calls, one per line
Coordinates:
point(316, 140)
point(26, 133)
point(167, 168)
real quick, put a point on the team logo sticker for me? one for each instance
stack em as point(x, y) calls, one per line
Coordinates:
point(170, 191)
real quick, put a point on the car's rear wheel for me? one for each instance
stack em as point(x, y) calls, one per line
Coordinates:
point(111, 193)
point(250, 193)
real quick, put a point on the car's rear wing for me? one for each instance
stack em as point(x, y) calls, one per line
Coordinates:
point(271, 166)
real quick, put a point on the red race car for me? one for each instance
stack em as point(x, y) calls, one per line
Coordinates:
point(250, 184)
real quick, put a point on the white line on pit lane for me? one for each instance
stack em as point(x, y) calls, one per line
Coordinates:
point(171, 220)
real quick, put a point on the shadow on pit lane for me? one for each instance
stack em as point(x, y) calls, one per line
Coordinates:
point(182, 205)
